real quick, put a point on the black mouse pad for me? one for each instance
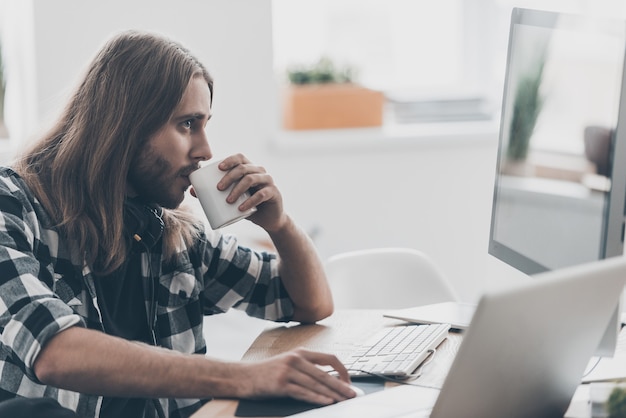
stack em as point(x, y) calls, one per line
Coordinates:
point(282, 407)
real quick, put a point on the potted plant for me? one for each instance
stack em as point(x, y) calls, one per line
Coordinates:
point(323, 96)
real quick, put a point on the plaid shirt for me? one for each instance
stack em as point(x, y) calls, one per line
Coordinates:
point(46, 288)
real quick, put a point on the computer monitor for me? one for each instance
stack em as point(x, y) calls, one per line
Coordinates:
point(560, 184)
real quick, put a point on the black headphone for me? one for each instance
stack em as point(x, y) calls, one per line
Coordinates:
point(143, 224)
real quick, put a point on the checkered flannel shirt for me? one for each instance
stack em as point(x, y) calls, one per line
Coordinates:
point(45, 289)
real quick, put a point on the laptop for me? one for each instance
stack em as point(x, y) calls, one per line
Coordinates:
point(523, 355)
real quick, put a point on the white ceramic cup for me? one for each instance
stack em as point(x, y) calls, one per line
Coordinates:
point(218, 211)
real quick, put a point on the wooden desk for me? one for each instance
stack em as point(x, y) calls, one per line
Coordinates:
point(338, 335)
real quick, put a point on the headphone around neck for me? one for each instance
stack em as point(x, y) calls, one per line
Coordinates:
point(143, 224)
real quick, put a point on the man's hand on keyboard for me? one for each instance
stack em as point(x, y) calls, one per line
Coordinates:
point(297, 374)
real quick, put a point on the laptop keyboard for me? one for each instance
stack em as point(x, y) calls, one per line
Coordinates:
point(396, 351)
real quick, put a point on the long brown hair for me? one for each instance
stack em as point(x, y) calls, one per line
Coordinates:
point(78, 170)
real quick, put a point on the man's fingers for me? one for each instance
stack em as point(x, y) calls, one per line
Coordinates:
point(317, 380)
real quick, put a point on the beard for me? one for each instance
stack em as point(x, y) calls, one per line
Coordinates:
point(155, 180)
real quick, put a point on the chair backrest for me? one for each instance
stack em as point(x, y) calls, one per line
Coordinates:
point(386, 278)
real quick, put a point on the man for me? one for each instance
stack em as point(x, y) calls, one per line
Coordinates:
point(104, 278)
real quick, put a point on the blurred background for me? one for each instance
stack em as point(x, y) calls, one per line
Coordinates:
point(421, 178)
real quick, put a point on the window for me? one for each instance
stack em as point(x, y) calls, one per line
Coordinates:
point(411, 50)
point(446, 56)
point(373, 36)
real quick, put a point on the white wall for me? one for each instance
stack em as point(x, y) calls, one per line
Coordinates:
point(432, 196)
point(232, 38)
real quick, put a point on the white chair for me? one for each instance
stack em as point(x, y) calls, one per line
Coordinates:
point(386, 278)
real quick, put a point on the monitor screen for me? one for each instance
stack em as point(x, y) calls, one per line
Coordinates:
point(560, 183)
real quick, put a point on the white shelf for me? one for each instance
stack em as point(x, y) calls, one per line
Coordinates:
point(390, 135)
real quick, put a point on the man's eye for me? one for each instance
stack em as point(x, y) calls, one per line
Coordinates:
point(188, 123)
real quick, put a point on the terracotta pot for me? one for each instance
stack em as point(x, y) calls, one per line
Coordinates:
point(330, 106)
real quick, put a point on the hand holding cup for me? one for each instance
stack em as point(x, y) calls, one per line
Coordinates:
point(218, 211)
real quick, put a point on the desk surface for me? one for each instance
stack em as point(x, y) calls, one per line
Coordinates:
point(339, 335)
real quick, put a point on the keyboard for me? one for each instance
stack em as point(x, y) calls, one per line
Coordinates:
point(396, 351)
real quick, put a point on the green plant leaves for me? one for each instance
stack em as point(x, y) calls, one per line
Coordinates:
point(322, 72)
point(526, 108)
point(616, 405)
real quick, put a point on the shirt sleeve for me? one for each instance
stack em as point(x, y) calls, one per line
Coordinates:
point(239, 277)
point(30, 312)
